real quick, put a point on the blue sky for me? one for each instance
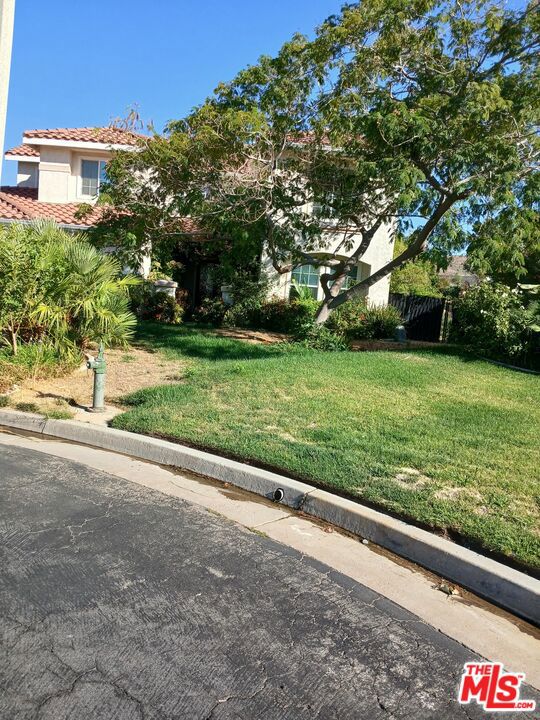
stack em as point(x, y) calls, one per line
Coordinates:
point(81, 64)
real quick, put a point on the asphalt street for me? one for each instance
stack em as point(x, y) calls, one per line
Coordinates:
point(119, 603)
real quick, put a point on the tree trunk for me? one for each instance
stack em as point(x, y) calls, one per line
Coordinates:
point(323, 313)
point(415, 248)
point(14, 345)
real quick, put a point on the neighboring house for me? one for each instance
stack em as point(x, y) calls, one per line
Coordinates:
point(57, 171)
point(61, 169)
point(457, 274)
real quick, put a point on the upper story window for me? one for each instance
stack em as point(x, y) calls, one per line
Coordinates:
point(92, 176)
point(323, 209)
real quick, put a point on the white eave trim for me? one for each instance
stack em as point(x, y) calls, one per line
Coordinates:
point(77, 144)
point(22, 158)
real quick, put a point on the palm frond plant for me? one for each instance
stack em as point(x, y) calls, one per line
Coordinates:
point(73, 294)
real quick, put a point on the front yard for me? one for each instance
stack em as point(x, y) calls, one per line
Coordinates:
point(445, 440)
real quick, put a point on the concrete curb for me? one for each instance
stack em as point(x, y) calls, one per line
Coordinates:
point(494, 581)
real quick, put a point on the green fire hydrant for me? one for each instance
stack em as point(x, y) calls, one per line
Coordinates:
point(99, 366)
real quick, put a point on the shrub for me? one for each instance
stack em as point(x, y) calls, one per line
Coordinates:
point(57, 414)
point(276, 314)
point(37, 360)
point(161, 307)
point(210, 312)
point(57, 287)
point(493, 320)
point(415, 277)
point(287, 316)
point(4, 401)
point(242, 314)
point(319, 337)
point(356, 320)
point(247, 286)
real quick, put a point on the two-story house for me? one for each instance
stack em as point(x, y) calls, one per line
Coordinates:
point(60, 169)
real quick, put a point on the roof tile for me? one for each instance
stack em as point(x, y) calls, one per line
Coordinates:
point(107, 135)
point(23, 151)
point(17, 203)
point(22, 204)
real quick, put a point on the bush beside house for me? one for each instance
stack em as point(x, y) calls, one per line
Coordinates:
point(58, 294)
point(356, 320)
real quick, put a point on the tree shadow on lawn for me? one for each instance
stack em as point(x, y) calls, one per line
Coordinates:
point(200, 342)
point(467, 355)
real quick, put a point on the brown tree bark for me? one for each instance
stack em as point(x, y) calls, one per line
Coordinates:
point(418, 245)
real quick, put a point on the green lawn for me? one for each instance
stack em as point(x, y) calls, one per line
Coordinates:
point(449, 441)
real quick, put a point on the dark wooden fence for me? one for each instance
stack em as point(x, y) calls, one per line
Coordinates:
point(425, 318)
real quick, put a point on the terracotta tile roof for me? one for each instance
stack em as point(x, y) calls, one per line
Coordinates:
point(22, 204)
point(306, 138)
point(188, 225)
point(23, 151)
point(107, 135)
point(9, 211)
point(18, 203)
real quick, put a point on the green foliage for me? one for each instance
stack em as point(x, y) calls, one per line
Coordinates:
point(246, 284)
point(162, 308)
point(506, 248)
point(248, 290)
point(27, 407)
point(320, 337)
point(210, 312)
point(300, 292)
point(431, 108)
point(275, 314)
point(416, 277)
point(357, 320)
point(150, 304)
point(4, 401)
point(33, 359)
point(531, 299)
point(21, 263)
point(57, 288)
point(492, 319)
point(57, 413)
point(286, 316)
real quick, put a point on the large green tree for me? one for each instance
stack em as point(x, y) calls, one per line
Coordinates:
point(505, 245)
point(415, 112)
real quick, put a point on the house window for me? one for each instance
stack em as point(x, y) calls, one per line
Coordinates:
point(307, 276)
point(350, 280)
point(323, 209)
point(92, 175)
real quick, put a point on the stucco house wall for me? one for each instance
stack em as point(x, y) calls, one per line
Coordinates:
point(27, 174)
point(378, 254)
point(60, 174)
